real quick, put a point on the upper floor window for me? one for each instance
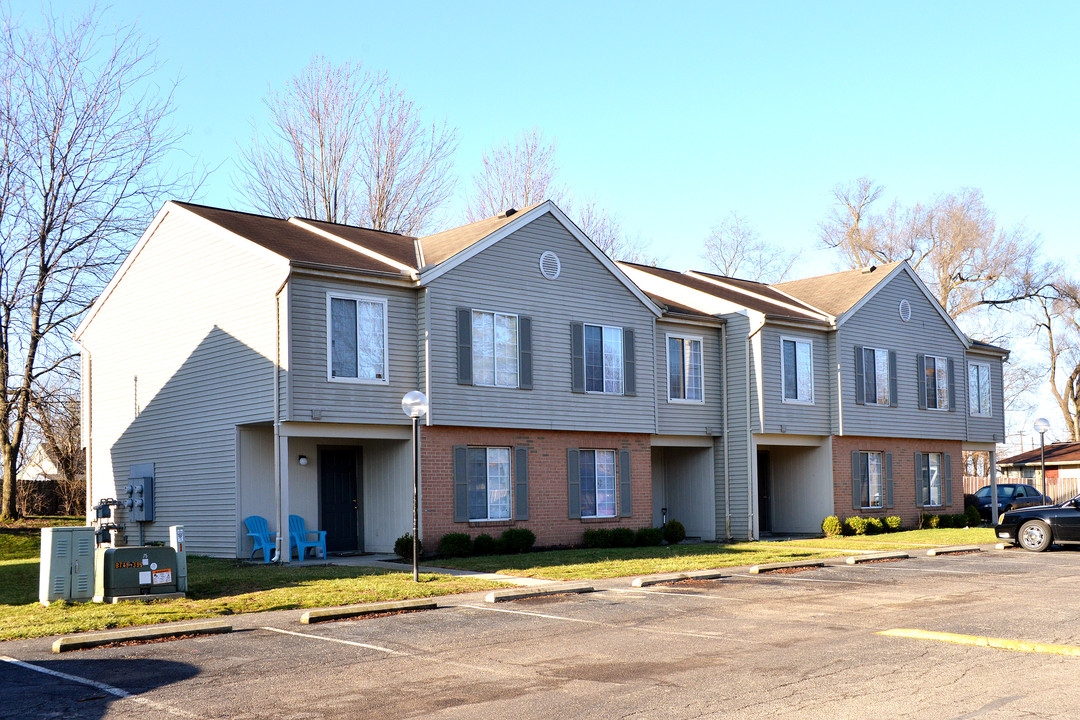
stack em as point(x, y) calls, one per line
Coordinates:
point(797, 369)
point(936, 378)
point(494, 349)
point(979, 388)
point(685, 380)
point(356, 338)
point(877, 375)
point(488, 472)
point(603, 359)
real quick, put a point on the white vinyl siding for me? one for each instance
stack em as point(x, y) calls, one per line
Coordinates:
point(872, 481)
point(597, 471)
point(797, 370)
point(495, 349)
point(603, 359)
point(488, 471)
point(979, 393)
point(937, 382)
point(685, 369)
point(876, 376)
point(356, 338)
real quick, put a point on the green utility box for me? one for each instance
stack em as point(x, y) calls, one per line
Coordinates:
point(135, 573)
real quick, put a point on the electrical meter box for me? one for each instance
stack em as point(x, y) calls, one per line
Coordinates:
point(142, 498)
point(132, 573)
point(67, 564)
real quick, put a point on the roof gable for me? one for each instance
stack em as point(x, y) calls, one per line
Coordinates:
point(837, 293)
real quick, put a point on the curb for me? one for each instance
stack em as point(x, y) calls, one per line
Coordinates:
point(351, 611)
point(953, 549)
point(758, 569)
point(89, 640)
point(1004, 546)
point(496, 596)
point(897, 555)
point(647, 580)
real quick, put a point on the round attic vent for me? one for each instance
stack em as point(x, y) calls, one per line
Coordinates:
point(905, 310)
point(550, 266)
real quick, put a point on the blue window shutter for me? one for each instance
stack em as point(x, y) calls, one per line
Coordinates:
point(626, 504)
point(860, 378)
point(525, 353)
point(893, 384)
point(461, 484)
point(888, 480)
point(856, 481)
point(920, 368)
point(521, 483)
point(573, 482)
point(946, 460)
point(629, 379)
point(952, 386)
point(464, 346)
point(577, 357)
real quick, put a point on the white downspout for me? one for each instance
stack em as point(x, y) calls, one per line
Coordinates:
point(727, 429)
point(282, 536)
point(750, 460)
point(88, 426)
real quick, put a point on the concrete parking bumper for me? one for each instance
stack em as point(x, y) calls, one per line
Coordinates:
point(496, 596)
point(157, 632)
point(647, 580)
point(953, 549)
point(351, 611)
point(871, 557)
point(758, 569)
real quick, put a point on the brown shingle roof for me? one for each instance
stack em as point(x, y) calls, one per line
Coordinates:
point(401, 248)
point(444, 245)
point(759, 304)
point(836, 293)
point(288, 240)
point(765, 291)
point(1056, 454)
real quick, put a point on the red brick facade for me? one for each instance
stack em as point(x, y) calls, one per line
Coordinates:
point(904, 482)
point(548, 505)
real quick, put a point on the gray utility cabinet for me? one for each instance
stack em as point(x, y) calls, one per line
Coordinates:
point(67, 564)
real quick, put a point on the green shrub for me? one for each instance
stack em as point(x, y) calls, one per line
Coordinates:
point(845, 528)
point(648, 537)
point(974, 519)
point(455, 544)
point(622, 537)
point(893, 523)
point(674, 532)
point(599, 538)
point(832, 526)
point(403, 547)
point(933, 521)
point(856, 525)
point(484, 544)
point(960, 520)
point(517, 540)
point(874, 526)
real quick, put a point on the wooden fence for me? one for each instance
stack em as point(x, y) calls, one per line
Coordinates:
point(1059, 488)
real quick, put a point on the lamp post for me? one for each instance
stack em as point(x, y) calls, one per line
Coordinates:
point(1041, 426)
point(415, 405)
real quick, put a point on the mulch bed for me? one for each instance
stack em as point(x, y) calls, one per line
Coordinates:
point(881, 560)
point(691, 582)
point(387, 613)
point(788, 571)
point(154, 641)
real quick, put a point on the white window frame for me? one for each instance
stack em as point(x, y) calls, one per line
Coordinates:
point(783, 370)
point(983, 367)
point(869, 487)
point(940, 479)
point(877, 383)
point(385, 379)
point(939, 362)
point(686, 368)
point(487, 479)
point(585, 358)
point(596, 474)
point(495, 355)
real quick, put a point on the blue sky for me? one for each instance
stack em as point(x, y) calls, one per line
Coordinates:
point(671, 115)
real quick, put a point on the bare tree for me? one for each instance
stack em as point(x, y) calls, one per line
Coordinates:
point(953, 242)
point(57, 415)
point(735, 249)
point(1058, 320)
point(82, 132)
point(607, 232)
point(347, 146)
point(516, 174)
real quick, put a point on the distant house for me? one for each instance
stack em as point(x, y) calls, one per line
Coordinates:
point(1062, 469)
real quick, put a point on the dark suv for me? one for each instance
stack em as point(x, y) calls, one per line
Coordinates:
point(1010, 496)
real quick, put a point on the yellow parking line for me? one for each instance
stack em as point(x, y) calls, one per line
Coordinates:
point(1000, 643)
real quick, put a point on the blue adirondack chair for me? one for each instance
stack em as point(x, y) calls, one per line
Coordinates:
point(298, 538)
point(260, 534)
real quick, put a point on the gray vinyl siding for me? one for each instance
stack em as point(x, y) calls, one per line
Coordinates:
point(199, 336)
point(737, 458)
point(689, 418)
point(506, 278)
point(982, 428)
point(793, 417)
point(339, 401)
point(877, 324)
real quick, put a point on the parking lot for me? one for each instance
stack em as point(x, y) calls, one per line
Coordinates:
point(800, 645)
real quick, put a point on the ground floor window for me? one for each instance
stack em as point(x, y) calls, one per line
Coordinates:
point(871, 484)
point(933, 477)
point(597, 471)
point(488, 471)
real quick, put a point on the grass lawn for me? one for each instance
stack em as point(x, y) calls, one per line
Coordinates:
point(592, 564)
point(216, 588)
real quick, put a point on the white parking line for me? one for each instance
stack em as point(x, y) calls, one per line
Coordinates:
point(114, 691)
point(651, 631)
point(798, 579)
point(336, 640)
point(930, 570)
